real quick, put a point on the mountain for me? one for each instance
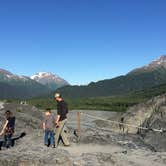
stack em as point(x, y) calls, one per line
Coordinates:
point(159, 63)
point(50, 80)
point(14, 86)
point(148, 76)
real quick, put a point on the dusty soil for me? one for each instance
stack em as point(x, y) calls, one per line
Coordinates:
point(99, 145)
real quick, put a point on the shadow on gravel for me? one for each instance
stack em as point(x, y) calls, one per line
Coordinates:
point(14, 138)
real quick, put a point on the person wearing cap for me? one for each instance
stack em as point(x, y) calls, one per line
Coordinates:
point(61, 120)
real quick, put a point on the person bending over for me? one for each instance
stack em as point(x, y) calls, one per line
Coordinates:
point(8, 129)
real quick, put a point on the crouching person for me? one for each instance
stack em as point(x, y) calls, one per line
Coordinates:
point(48, 127)
point(8, 129)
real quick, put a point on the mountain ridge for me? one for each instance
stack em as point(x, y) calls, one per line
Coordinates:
point(137, 79)
point(158, 63)
point(13, 86)
point(53, 81)
point(148, 76)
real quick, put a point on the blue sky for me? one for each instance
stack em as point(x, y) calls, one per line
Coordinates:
point(81, 40)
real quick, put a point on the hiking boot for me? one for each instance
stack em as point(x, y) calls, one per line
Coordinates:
point(67, 145)
point(46, 145)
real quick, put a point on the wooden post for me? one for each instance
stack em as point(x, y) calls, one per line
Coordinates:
point(79, 125)
point(22, 163)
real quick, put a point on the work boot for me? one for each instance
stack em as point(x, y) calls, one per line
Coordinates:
point(53, 146)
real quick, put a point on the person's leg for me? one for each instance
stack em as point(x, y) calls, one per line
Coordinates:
point(52, 141)
point(4, 140)
point(64, 137)
point(8, 140)
point(58, 132)
point(46, 137)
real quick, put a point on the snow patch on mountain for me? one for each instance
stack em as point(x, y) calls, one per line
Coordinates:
point(41, 75)
point(53, 81)
point(160, 62)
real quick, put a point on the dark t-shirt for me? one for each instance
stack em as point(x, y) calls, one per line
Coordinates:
point(62, 109)
point(10, 125)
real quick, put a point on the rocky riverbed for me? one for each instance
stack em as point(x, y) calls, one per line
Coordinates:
point(101, 143)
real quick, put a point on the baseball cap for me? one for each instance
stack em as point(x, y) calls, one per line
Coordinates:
point(57, 95)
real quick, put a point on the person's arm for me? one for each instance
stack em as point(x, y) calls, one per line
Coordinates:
point(4, 127)
point(58, 115)
point(44, 126)
point(57, 120)
point(44, 123)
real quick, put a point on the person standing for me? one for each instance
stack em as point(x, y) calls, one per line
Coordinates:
point(61, 119)
point(48, 127)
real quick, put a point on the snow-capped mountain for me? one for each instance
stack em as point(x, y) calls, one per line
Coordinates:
point(15, 86)
point(5, 72)
point(51, 80)
point(8, 76)
point(143, 78)
point(156, 64)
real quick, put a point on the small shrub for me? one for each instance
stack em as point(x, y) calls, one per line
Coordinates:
point(18, 110)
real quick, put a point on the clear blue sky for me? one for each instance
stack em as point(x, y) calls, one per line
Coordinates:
point(81, 40)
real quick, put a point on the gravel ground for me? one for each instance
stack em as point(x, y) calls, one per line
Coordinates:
point(98, 145)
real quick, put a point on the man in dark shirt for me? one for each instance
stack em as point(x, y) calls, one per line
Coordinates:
point(61, 120)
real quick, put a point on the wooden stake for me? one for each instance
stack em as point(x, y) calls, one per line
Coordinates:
point(79, 125)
